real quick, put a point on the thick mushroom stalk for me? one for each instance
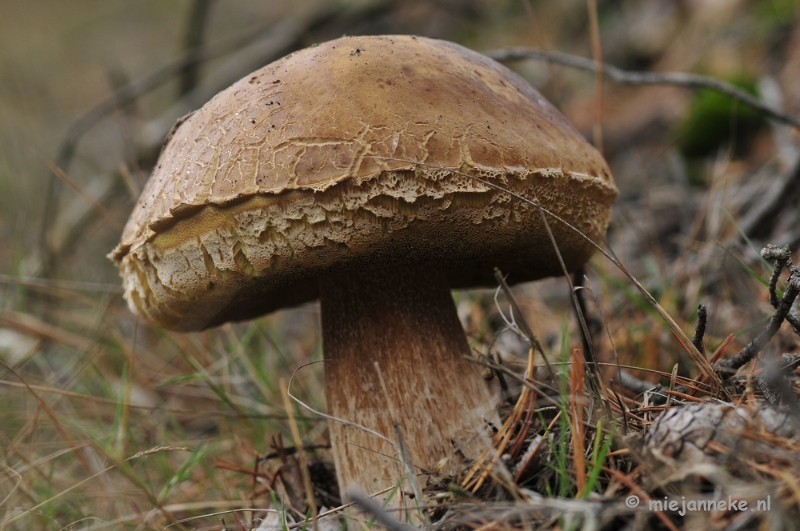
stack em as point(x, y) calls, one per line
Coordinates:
point(404, 320)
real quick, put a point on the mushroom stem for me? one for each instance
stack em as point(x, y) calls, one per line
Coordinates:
point(405, 320)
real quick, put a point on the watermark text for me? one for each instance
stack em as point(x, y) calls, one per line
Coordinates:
point(684, 505)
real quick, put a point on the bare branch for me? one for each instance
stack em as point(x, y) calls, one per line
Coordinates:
point(678, 79)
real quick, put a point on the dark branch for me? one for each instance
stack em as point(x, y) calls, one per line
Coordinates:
point(678, 79)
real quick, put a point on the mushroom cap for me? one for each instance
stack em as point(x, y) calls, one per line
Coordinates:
point(359, 152)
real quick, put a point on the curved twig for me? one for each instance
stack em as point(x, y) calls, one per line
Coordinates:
point(678, 79)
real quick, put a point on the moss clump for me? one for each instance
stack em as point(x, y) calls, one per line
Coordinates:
point(717, 121)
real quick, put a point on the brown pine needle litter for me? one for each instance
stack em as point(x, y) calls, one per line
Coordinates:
point(558, 461)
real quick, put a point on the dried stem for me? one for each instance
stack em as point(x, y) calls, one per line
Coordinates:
point(700, 329)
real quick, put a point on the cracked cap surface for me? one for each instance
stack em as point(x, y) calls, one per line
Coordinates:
point(357, 153)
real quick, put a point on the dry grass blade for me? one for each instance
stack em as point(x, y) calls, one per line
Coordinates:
point(28, 324)
point(58, 172)
point(71, 285)
point(124, 467)
point(482, 469)
point(332, 418)
point(576, 386)
point(21, 514)
point(17, 516)
point(113, 402)
point(301, 455)
point(517, 314)
point(52, 414)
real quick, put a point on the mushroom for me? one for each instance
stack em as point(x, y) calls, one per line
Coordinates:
point(344, 172)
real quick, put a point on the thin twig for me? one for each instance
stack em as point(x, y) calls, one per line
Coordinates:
point(331, 417)
point(538, 387)
point(600, 318)
point(594, 381)
point(782, 256)
point(301, 455)
point(678, 79)
point(766, 381)
point(581, 310)
point(523, 323)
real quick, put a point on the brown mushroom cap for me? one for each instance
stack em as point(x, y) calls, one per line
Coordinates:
point(344, 155)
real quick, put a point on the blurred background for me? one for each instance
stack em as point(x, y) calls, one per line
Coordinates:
point(94, 87)
point(89, 90)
